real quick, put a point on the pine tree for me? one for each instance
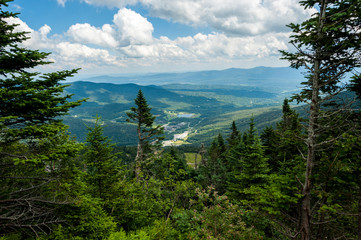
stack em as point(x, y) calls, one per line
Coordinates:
point(251, 169)
point(148, 135)
point(101, 162)
point(35, 152)
point(235, 136)
point(328, 46)
point(213, 170)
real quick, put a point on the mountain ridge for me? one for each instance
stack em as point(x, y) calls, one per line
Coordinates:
point(271, 78)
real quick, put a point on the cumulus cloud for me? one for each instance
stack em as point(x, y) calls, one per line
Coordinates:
point(244, 31)
point(85, 33)
point(66, 54)
point(44, 31)
point(37, 39)
point(128, 28)
point(239, 17)
point(74, 52)
point(210, 46)
point(132, 27)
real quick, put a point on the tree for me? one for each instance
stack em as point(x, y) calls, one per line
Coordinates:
point(36, 154)
point(327, 46)
point(250, 169)
point(101, 162)
point(147, 133)
point(235, 136)
point(212, 172)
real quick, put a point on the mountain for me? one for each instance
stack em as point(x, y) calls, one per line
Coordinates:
point(273, 79)
point(200, 110)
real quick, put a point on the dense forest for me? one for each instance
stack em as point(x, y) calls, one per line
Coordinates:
point(298, 180)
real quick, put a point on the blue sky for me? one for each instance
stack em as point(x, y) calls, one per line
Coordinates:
point(141, 36)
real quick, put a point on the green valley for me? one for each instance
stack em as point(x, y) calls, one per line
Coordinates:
point(191, 114)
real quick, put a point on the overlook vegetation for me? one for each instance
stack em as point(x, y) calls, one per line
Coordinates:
point(296, 177)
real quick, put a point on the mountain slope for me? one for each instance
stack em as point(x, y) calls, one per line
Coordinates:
point(201, 111)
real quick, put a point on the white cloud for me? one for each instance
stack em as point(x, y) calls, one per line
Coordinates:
point(248, 33)
point(44, 31)
point(208, 48)
point(65, 54)
point(136, 48)
point(37, 39)
point(239, 17)
point(132, 27)
point(128, 28)
point(78, 53)
point(62, 2)
point(85, 33)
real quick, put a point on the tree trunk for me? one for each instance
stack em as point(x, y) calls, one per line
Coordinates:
point(311, 138)
point(139, 156)
point(311, 145)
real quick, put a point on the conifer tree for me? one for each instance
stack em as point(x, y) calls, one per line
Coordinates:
point(148, 135)
point(101, 162)
point(327, 46)
point(250, 172)
point(213, 171)
point(235, 136)
point(35, 152)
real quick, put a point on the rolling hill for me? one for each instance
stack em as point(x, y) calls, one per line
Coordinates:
point(195, 112)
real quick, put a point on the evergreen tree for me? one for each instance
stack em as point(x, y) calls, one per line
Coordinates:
point(284, 144)
point(181, 166)
point(235, 136)
point(328, 46)
point(101, 162)
point(213, 170)
point(148, 135)
point(35, 152)
point(251, 169)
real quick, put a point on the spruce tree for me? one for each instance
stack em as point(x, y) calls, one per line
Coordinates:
point(148, 135)
point(36, 154)
point(101, 162)
point(327, 47)
point(235, 136)
point(213, 170)
point(251, 169)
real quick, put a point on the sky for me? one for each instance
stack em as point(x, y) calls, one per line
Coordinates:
point(141, 36)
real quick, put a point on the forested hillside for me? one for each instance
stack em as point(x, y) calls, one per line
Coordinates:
point(298, 178)
point(201, 110)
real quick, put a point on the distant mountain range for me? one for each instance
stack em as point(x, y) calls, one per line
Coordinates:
point(271, 79)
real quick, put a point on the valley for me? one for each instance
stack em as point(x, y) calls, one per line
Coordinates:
point(190, 113)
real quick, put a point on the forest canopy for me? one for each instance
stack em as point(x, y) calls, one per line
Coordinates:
point(297, 180)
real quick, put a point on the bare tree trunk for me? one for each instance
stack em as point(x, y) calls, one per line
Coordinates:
point(139, 156)
point(306, 191)
point(311, 138)
point(311, 147)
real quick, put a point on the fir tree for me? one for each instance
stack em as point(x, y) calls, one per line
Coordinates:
point(36, 154)
point(101, 162)
point(235, 136)
point(327, 46)
point(148, 135)
point(250, 172)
